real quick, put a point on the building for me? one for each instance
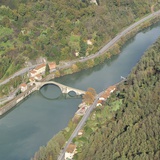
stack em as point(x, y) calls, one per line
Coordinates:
point(32, 73)
point(80, 132)
point(70, 151)
point(99, 103)
point(38, 77)
point(52, 66)
point(40, 69)
point(23, 87)
point(32, 80)
point(89, 42)
point(81, 111)
point(105, 95)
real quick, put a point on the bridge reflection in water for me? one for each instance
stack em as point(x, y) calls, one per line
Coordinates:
point(63, 91)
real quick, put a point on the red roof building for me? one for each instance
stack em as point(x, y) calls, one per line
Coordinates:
point(40, 69)
point(23, 87)
point(52, 66)
point(70, 151)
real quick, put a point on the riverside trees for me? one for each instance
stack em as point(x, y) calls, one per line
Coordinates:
point(89, 96)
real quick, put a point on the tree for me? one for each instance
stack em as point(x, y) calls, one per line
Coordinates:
point(83, 47)
point(89, 96)
point(47, 69)
point(22, 9)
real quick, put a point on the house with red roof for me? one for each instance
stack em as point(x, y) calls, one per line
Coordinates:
point(37, 72)
point(32, 80)
point(52, 66)
point(32, 73)
point(106, 95)
point(70, 151)
point(23, 87)
point(38, 77)
point(40, 69)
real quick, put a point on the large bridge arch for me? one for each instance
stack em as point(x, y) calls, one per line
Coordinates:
point(45, 84)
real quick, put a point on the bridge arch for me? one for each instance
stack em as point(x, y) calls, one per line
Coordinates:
point(43, 85)
point(64, 89)
point(72, 93)
point(50, 91)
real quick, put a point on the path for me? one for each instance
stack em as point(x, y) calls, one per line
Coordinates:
point(18, 73)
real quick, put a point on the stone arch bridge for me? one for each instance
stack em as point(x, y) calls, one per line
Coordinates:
point(64, 89)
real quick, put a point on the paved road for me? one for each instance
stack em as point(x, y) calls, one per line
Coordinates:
point(79, 126)
point(18, 73)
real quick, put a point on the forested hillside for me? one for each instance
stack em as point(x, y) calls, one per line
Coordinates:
point(58, 29)
point(128, 126)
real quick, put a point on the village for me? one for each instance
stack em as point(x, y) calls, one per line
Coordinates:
point(37, 74)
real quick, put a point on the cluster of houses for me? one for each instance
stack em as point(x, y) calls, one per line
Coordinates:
point(37, 73)
point(83, 107)
point(105, 95)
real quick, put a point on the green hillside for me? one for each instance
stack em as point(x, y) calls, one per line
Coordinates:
point(58, 29)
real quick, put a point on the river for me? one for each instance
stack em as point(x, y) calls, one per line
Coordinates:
point(32, 123)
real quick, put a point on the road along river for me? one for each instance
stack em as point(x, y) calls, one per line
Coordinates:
point(33, 122)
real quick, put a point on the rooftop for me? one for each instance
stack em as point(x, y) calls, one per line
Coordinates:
point(52, 65)
point(23, 85)
point(33, 72)
point(40, 66)
point(71, 148)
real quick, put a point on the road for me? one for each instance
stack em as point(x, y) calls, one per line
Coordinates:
point(18, 73)
point(79, 126)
